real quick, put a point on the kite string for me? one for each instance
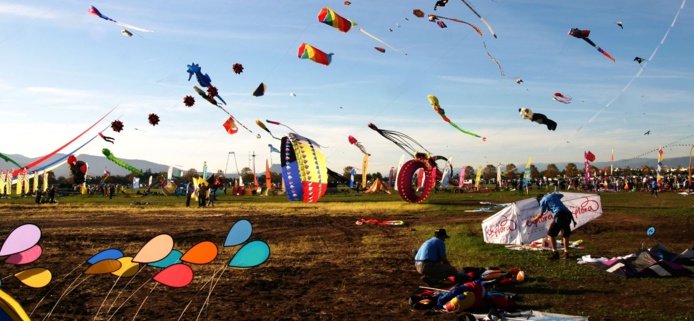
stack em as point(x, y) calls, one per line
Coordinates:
point(638, 74)
point(145, 300)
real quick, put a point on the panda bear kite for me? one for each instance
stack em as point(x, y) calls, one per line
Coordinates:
point(526, 113)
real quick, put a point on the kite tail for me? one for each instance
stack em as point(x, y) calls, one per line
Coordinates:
point(478, 16)
point(120, 163)
point(381, 41)
point(68, 143)
point(7, 159)
point(464, 131)
point(605, 53)
point(242, 125)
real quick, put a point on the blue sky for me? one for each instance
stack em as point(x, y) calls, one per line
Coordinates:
point(63, 69)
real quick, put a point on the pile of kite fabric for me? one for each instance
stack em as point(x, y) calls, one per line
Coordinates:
point(654, 262)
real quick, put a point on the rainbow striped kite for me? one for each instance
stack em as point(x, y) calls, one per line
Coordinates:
point(306, 51)
point(330, 18)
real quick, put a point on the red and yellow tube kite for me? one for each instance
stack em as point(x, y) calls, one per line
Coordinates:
point(307, 51)
point(330, 18)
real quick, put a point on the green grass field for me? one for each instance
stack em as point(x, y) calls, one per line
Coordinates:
point(559, 286)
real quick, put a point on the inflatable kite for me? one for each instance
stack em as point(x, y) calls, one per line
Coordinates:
point(120, 163)
point(304, 170)
point(434, 18)
point(526, 113)
point(478, 16)
point(153, 119)
point(78, 169)
point(330, 18)
point(117, 126)
point(189, 101)
point(203, 79)
point(423, 162)
point(435, 104)
point(354, 142)
point(307, 51)
point(93, 10)
point(583, 34)
point(562, 98)
point(238, 68)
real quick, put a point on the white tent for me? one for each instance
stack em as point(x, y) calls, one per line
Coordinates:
point(512, 225)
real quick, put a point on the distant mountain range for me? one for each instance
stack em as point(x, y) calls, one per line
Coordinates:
point(97, 164)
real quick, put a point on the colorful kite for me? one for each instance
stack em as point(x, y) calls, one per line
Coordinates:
point(117, 126)
point(260, 90)
point(230, 126)
point(435, 104)
point(381, 49)
point(562, 98)
point(583, 34)
point(93, 10)
point(203, 79)
point(478, 16)
point(441, 24)
point(381, 41)
point(418, 13)
point(120, 163)
point(261, 125)
point(307, 51)
point(639, 60)
point(304, 170)
point(330, 18)
point(153, 119)
point(347, 3)
point(434, 18)
point(126, 33)
point(238, 68)
point(354, 142)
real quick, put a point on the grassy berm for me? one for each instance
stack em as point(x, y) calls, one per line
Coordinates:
point(323, 266)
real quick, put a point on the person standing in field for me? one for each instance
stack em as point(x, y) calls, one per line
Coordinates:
point(562, 222)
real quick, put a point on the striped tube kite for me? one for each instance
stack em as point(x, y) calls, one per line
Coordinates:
point(307, 51)
point(330, 18)
point(304, 171)
point(583, 34)
point(659, 177)
point(120, 163)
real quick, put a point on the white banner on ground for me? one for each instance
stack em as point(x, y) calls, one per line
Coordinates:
point(512, 224)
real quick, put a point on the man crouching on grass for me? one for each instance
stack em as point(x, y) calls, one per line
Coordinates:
point(562, 222)
point(431, 260)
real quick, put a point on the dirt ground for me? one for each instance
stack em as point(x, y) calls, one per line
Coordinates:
point(324, 267)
